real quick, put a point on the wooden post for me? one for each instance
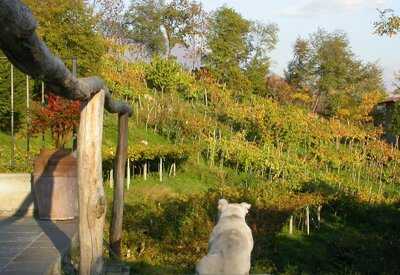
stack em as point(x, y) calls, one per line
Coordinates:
point(111, 181)
point(319, 214)
point(128, 174)
point(75, 74)
point(92, 203)
point(118, 200)
point(27, 120)
point(145, 171)
point(160, 168)
point(291, 225)
point(12, 119)
point(42, 101)
point(137, 112)
point(308, 220)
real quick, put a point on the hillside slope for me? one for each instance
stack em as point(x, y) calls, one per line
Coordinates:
point(280, 158)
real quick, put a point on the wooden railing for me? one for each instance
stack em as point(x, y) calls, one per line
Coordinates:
point(27, 52)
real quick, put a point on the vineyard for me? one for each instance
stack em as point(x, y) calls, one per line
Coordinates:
point(281, 158)
point(324, 191)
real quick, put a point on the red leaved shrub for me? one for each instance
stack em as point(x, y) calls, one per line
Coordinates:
point(59, 116)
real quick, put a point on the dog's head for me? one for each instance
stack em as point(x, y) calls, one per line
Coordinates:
point(226, 209)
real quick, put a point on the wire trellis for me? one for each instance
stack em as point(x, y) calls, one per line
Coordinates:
point(15, 153)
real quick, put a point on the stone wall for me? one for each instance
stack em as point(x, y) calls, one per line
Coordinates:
point(16, 196)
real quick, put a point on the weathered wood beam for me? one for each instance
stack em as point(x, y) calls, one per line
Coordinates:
point(92, 203)
point(119, 176)
point(23, 47)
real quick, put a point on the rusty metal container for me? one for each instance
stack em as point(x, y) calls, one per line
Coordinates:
point(55, 185)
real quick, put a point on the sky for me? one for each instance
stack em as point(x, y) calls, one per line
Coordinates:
point(302, 17)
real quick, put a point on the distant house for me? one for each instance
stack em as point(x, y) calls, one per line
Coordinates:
point(383, 115)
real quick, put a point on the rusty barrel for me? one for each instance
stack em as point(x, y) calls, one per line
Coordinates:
point(55, 185)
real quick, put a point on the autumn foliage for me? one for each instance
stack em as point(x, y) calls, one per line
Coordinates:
point(59, 116)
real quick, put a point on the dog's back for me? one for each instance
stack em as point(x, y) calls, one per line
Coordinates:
point(230, 244)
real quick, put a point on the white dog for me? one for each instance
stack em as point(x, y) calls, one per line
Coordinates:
point(230, 244)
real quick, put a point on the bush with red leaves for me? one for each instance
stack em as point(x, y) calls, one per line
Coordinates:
point(59, 116)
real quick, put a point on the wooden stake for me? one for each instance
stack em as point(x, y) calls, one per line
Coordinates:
point(308, 220)
point(111, 181)
point(319, 214)
point(12, 119)
point(291, 225)
point(42, 101)
point(145, 171)
point(118, 200)
point(137, 113)
point(27, 119)
point(161, 169)
point(92, 202)
point(128, 174)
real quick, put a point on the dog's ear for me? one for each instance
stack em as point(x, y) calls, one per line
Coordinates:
point(245, 206)
point(222, 204)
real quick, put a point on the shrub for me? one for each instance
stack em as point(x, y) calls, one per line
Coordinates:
point(163, 74)
point(60, 116)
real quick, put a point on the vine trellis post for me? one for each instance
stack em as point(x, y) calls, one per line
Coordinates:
point(27, 52)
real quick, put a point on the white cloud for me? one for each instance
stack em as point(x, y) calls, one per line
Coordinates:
point(321, 7)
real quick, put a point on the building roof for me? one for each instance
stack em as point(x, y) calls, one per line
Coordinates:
point(391, 99)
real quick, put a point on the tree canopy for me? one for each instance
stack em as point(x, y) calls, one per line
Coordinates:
point(388, 24)
point(68, 29)
point(160, 26)
point(326, 65)
point(239, 50)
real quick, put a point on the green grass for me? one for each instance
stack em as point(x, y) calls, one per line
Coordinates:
point(167, 224)
point(173, 225)
point(136, 133)
point(22, 157)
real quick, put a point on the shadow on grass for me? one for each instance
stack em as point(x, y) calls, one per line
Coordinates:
point(169, 236)
point(354, 238)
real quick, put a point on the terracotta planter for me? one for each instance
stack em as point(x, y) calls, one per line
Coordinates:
point(55, 185)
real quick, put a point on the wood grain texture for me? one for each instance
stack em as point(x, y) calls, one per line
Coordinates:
point(92, 204)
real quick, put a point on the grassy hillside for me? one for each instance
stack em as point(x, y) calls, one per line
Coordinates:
point(280, 158)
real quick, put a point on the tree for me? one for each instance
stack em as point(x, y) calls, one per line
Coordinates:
point(161, 26)
point(110, 17)
point(388, 24)
point(299, 71)
point(143, 21)
point(325, 65)
point(228, 43)
point(68, 29)
point(262, 39)
point(239, 51)
point(183, 20)
point(279, 89)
